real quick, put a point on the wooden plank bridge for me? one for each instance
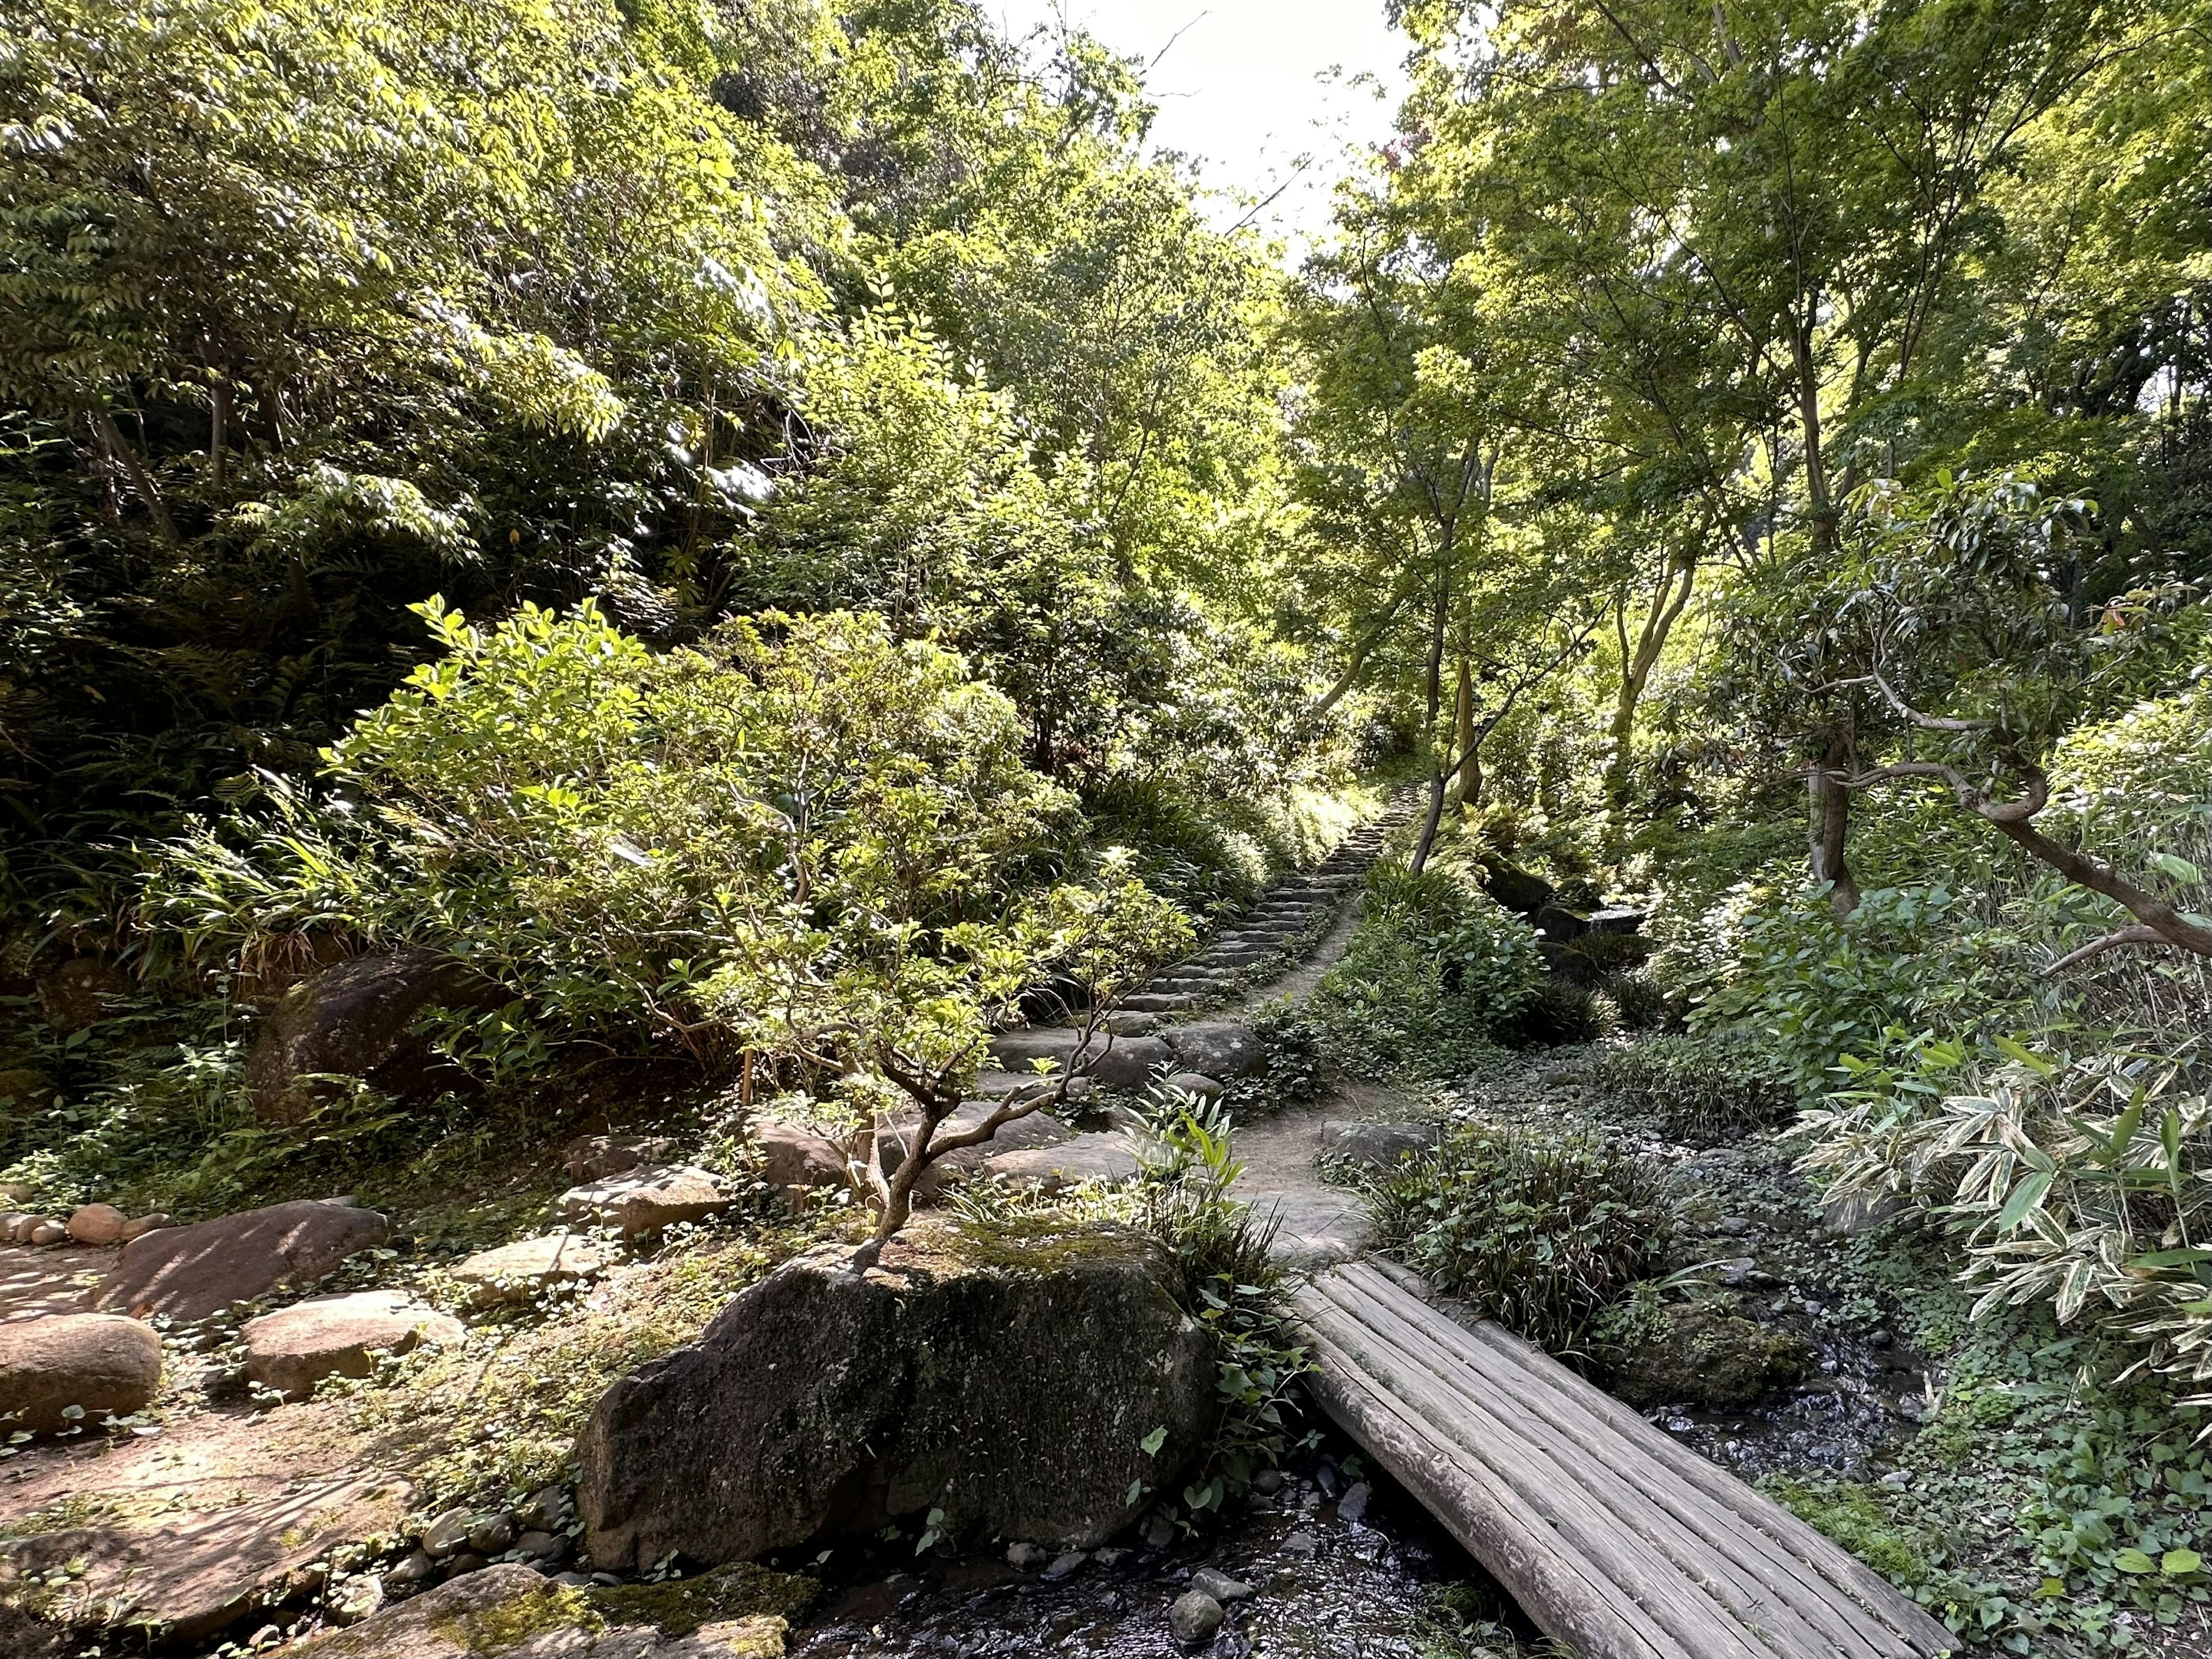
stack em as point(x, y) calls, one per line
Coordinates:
point(1614, 1539)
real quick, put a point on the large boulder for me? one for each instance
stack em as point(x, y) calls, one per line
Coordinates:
point(102, 1363)
point(1218, 1047)
point(294, 1348)
point(189, 1272)
point(357, 1017)
point(647, 1200)
point(1009, 1379)
point(792, 1157)
point(1381, 1146)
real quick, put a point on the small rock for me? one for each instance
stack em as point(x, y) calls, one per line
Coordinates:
point(1879, 1339)
point(1220, 1586)
point(520, 1270)
point(1301, 1543)
point(648, 1200)
point(296, 1348)
point(1735, 1226)
point(17, 1192)
point(491, 1535)
point(547, 1550)
point(49, 1232)
point(572, 1580)
point(96, 1224)
point(448, 1532)
point(102, 1363)
point(594, 1157)
point(1267, 1482)
point(1329, 1479)
point(792, 1157)
point(1158, 1530)
point(1381, 1146)
point(1110, 1557)
point(1124, 1023)
point(1195, 1617)
point(355, 1599)
point(1353, 1506)
point(1897, 1477)
point(1027, 1556)
point(416, 1570)
point(1067, 1566)
point(139, 1226)
point(467, 1562)
point(546, 1510)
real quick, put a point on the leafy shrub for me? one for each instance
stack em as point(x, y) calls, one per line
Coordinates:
point(1639, 1002)
point(1907, 958)
point(1434, 973)
point(1538, 1231)
point(823, 844)
point(1703, 1088)
point(1557, 1011)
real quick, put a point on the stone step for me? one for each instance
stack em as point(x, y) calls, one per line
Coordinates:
point(1158, 1002)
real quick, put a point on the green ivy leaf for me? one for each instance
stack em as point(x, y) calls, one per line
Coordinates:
point(1152, 1442)
point(2134, 1561)
point(2174, 1563)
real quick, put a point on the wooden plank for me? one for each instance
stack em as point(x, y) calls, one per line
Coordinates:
point(1613, 1536)
point(1780, 1616)
point(1727, 1534)
point(1836, 1566)
point(1694, 1625)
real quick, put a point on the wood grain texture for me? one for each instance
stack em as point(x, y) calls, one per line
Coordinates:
point(1613, 1538)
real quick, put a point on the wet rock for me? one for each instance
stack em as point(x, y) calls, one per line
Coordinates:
point(1381, 1145)
point(594, 1157)
point(1218, 1047)
point(647, 1200)
point(101, 1365)
point(1066, 1565)
point(189, 1272)
point(294, 1348)
point(1195, 1617)
point(1703, 1354)
point(806, 1406)
point(521, 1270)
point(1353, 1506)
point(1027, 1556)
point(1220, 1586)
point(97, 1223)
point(358, 1018)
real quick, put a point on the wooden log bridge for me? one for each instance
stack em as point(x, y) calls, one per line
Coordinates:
point(1614, 1539)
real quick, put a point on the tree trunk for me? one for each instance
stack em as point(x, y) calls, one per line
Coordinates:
point(1667, 603)
point(1831, 826)
point(1463, 738)
point(1439, 619)
point(141, 482)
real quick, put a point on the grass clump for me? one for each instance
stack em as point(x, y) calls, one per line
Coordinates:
point(1702, 1089)
point(1540, 1232)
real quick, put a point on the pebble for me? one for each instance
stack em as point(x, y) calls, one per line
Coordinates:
point(1027, 1556)
point(1195, 1617)
point(491, 1535)
point(1066, 1566)
point(1301, 1543)
point(417, 1568)
point(467, 1562)
point(448, 1532)
point(1353, 1506)
point(48, 1232)
point(1220, 1586)
point(1267, 1482)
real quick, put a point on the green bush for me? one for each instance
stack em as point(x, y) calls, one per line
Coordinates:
point(1539, 1232)
point(1703, 1089)
point(1435, 974)
point(1557, 1011)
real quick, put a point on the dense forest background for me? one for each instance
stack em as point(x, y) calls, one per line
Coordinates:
point(768, 531)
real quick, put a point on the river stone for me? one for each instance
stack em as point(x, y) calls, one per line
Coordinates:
point(97, 1223)
point(645, 1200)
point(1383, 1145)
point(1197, 1083)
point(296, 1348)
point(1006, 1378)
point(1195, 1617)
point(189, 1272)
point(510, 1611)
point(103, 1363)
point(1218, 1047)
point(1703, 1354)
point(1096, 1157)
point(358, 1018)
point(519, 1270)
point(1220, 1586)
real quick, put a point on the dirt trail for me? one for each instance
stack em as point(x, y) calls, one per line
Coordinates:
point(1316, 1224)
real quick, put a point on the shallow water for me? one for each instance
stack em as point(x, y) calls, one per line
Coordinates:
point(1327, 1586)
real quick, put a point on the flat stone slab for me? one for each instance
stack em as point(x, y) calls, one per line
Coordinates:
point(529, 1265)
point(296, 1348)
point(1101, 1157)
point(645, 1200)
point(202, 1527)
point(1383, 1146)
point(190, 1273)
point(1316, 1226)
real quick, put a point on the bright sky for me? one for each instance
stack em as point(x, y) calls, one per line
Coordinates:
point(1247, 87)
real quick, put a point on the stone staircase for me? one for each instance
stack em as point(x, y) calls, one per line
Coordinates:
point(1286, 918)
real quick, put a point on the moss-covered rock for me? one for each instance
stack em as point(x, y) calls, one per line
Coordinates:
point(1008, 1379)
point(1699, 1353)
